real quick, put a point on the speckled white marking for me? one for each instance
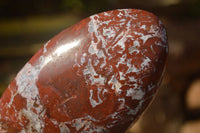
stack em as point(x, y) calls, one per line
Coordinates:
point(23, 131)
point(89, 69)
point(119, 40)
point(116, 85)
point(161, 34)
point(12, 98)
point(122, 60)
point(106, 14)
point(121, 43)
point(161, 45)
point(153, 51)
point(151, 86)
point(135, 111)
point(91, 27)
point(94, 77)
point(121, 74)
point(26, 81)
point(82, 125)
point(96, 62)
point(122, 105)
point(63, 128)
point(134, 48)
point(92, 49)
point(146, 37)
point(137, 94)
point(35, 121)
point(55, 122)
point(109, 32)
point(100, 54)
point(132, 79)
point(145, 62)
point(93, 102)
point(120, 14)
point(83, 58)
point(45, 47)
point(98, 81)
point(143, 27)
point(132, 68)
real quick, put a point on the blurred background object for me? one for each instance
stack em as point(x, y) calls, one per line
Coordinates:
point(26, 25)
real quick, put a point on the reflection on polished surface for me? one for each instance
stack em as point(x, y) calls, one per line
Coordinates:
point(65, 47)
point(59, 51)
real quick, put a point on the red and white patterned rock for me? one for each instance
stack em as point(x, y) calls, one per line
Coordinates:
point(96, 76)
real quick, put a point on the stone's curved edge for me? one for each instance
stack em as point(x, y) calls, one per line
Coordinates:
point(120, 60)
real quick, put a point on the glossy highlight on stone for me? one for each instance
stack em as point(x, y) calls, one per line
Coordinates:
point(96, 76)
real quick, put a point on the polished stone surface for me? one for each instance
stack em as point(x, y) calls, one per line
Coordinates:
point(96, 76)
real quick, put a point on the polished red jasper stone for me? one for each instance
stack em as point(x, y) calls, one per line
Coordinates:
point(95, 76)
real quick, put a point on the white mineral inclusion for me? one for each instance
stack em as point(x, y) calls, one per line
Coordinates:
point(45, 47)
point(35, 119)
point(92, 49)
point(89, 69)
point(104, 34)
point(116, 85)
point(110, 32)
point(85, 123)
point(27, 88)
point(63, 128)
point(120, 39)
point(12, 97)
point(121, 74)
point(83, 58)
point(145, 62)
point(26, 81)
point(94, 77)
point(143, 27)
point(134, 47)
point(93, 102)
point(136, 94)
point(81, 124)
